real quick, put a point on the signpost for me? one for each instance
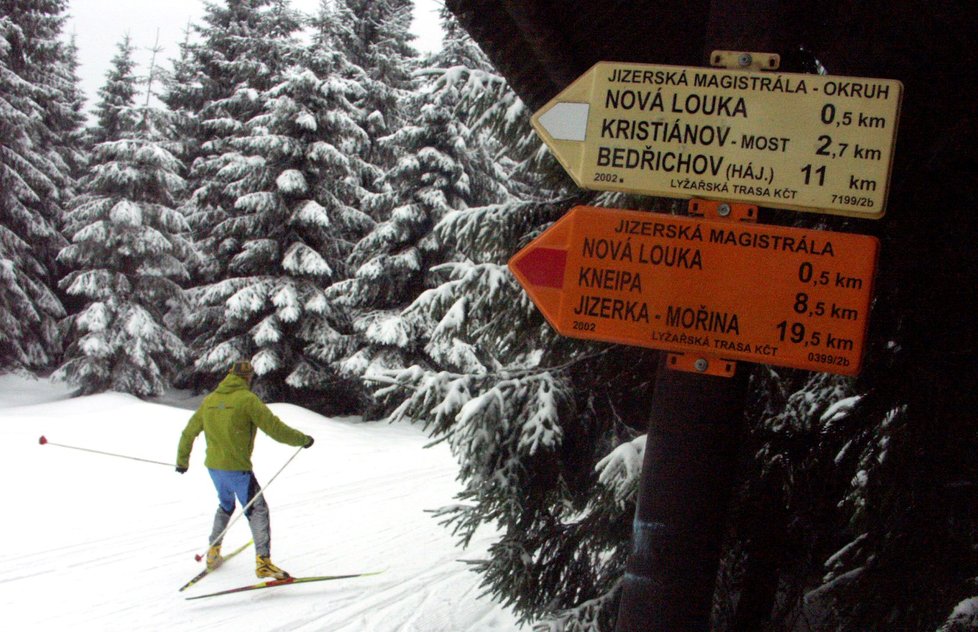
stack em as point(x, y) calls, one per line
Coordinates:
point(709, 289)
point(812, 143)
point(767, 294)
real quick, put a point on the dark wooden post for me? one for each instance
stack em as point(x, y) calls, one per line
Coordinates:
point(690, 461)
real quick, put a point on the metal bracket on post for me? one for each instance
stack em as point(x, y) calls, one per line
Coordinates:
point(702, 363)
point(744, 60)
point(729, 211)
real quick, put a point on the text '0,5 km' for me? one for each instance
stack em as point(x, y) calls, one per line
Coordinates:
point(805, 142)
point(767, 294)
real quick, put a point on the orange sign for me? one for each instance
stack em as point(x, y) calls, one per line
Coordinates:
point(768, 294)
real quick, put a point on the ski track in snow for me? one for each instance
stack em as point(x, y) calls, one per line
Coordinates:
point(94, 542)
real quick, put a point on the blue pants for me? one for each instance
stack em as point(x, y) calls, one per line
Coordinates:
point(243, 486)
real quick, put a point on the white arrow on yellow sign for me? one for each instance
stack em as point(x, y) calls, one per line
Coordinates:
point(815, 143)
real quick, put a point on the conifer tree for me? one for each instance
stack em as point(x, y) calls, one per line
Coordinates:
point(374, 36)
point(296, 181)
point(116, 96)
point(129, 246)
point(33, 177)
point(182, 88)
point(443, 166)
point(243, 46)
point(49, 63)
point(67, 115)
point(547, 429)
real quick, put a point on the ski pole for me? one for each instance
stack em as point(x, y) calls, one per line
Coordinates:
point(44, 441)
point(244, 509)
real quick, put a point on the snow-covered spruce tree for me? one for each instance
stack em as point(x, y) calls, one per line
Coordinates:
point(182, 87)
point(66, 115)
point(49, 61)
point(241, 50)
point(443, 166)
point(116, 96)
point(327, 56)
point(127, 256)
point(296, 182)
point(33, 177)
point(374, 37)
point(530, 416)
point(544, 427)
point(547, 429)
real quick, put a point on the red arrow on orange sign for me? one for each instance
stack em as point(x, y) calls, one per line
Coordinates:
point(543, 267)
point(767, 294)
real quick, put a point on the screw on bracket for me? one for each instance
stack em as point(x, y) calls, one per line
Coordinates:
point(701, 365)
point(744, 60)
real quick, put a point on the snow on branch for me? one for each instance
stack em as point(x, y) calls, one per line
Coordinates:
point(389, 329)
point(530, 403)
point(311, 213)
point(291, 182)
point(266, 361)
point(586, 617)
point(541, 430)
point(218, 359)
point(96, 284)
point(621, 469)
point(839, 410)
point(260, 202)
point(303, 261)
point(325, 153)
point(456, 353)
point(286, 300)
point(248, 300)
point(267, 331)
point(435, 397)
point(963, 617)
point(96, 317)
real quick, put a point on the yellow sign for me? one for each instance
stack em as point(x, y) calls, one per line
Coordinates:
point(817, 143)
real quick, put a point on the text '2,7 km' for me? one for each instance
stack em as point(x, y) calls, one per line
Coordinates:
point(768, 294)
point(814, 143)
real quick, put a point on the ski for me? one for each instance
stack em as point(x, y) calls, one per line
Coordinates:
point(274, 583)
point(207, 571)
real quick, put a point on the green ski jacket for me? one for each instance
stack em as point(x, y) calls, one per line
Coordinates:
point(230, 418)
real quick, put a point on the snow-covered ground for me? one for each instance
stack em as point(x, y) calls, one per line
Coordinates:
point(93, 542)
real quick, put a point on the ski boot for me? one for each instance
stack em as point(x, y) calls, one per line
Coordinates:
point(265, 568)
point(214, 558)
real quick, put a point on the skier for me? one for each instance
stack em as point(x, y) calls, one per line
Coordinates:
point(230, 417)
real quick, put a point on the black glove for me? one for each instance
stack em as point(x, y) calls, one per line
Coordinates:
point(309, 442)
point(181, 470)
